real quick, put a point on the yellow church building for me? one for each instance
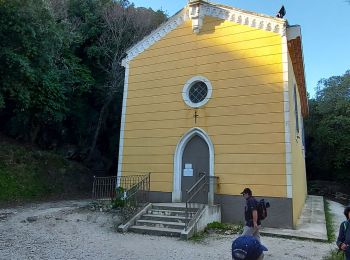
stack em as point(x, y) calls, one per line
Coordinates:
point(219, 91)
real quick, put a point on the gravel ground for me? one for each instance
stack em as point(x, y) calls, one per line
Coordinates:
point(69, 230)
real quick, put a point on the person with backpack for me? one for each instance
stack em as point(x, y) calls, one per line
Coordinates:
point(252, 222)
point(343, 241)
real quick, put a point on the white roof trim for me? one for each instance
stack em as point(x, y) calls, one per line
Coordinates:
point(196, 12)
point(254, 20)
point(156, 35)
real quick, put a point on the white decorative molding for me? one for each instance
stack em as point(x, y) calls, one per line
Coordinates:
point(287, 137)
point(122, 123)
point(196, 12)
point(187, 87)
point(156, 35)
point(196, 16)
point(176, 194)
point(254, 20)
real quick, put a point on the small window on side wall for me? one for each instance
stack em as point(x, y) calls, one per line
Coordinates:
point(296, 110)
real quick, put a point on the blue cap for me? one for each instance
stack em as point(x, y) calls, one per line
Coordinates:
point(247, 248)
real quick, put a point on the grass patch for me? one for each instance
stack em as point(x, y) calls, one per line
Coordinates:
point(199, 237)
point(334, 255)
point(24, 184)
point(218, 225)
point(218, 228)
point(224, 228)
point(329, 222)
point(27, 173)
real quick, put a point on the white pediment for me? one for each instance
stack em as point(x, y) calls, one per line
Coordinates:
point(196, 11)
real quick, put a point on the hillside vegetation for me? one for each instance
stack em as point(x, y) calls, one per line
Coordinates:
point(61, 78)
point(27, 173)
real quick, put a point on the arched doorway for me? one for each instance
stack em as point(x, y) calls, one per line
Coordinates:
point(194, 152)
point(195, 164)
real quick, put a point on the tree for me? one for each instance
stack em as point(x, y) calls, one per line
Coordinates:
point(328, 130)
point(38, 72)
point(61, 80)
point(123, 26)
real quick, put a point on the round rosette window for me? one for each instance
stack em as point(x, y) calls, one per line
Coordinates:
point(197, 91)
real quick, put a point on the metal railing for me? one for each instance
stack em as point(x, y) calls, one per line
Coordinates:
point(139, 192)
point(105, 188)
point(205, 184)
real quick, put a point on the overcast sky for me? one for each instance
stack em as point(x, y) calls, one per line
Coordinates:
point(325, 29)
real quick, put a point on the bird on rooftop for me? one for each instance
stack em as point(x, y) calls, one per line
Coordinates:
point(281, 12)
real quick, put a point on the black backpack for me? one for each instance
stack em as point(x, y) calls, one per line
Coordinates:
point(262, 209)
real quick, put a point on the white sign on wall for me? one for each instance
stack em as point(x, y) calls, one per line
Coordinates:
point(188, 171)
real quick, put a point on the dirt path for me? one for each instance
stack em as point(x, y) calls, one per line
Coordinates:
point(69, 230)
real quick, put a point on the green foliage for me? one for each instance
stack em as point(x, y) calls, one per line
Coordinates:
point(328, 130)
point(61, 80)
point(222, 227)
point(198, 237)
point(218, 225)
point(27, 173)
point(39, 74)
point(334, 255)
point(329, 222)
point(25, 184)
point(119, 201)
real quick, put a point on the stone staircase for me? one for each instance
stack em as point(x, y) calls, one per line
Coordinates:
point(163, 220)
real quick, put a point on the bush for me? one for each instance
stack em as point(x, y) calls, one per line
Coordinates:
point(119, 201)
point(225, 227)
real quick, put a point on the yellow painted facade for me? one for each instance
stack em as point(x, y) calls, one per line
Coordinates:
point(244, 117)
point(298, 149)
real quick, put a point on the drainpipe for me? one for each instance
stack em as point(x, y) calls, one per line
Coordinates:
point(211, 191)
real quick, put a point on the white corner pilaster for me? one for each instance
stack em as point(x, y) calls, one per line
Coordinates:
point(122, 123)
point(288, 145)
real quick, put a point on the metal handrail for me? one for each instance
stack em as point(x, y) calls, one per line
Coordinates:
point(195, 185)
point(195, 189)
point(131, 193)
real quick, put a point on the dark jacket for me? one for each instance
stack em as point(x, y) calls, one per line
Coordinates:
point(344, 236)
point(251, 205)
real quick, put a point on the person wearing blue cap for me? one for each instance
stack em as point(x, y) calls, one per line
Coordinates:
point(247, 248)
point(343, 241)
point(252, 223)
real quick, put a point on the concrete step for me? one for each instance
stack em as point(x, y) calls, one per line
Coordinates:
point(163, 218)
point(167, 212)
point(156, 231)
point(160, 224)
point(174, 208)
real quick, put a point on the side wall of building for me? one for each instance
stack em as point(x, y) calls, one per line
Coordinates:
point(298, 149)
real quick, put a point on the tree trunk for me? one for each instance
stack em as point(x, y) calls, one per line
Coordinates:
point(98, 127)
point(34, 133)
